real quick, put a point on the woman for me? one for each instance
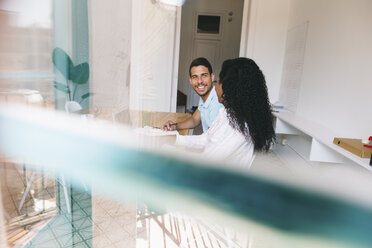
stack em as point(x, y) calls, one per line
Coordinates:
point(245, 124)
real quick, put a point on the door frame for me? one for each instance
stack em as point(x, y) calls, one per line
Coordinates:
point(246, 37)
point(176, 58)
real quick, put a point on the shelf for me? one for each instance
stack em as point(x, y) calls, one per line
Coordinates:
point(318, 142)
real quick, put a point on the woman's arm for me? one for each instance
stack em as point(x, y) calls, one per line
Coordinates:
point(192, 141)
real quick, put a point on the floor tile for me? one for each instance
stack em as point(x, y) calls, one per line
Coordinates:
point(43, 237)
point(101, 242)
point(66, 240)
point(82, 223)
point(86, 233)
point(117, 235)
point(48, 244)
point(62, 230)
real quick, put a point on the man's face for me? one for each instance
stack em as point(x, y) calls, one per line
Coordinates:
point(201, 80)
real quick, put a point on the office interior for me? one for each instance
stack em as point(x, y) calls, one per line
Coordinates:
point(316, 58)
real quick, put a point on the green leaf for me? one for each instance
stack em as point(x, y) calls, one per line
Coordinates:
point(79, 74)
point(62, 62)
point(61, 87)
point(83, 97)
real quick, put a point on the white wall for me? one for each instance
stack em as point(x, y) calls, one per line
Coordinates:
point(154, 42)
point(336, 86)
point(267, 32)
point(110, 40)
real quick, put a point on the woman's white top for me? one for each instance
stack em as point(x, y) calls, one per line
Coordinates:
point(222, 142)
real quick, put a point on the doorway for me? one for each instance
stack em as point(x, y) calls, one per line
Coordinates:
point(210, 29)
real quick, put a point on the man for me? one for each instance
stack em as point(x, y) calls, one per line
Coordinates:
point(201, 79)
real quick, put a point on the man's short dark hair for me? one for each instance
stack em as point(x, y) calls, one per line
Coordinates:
point(201, 61)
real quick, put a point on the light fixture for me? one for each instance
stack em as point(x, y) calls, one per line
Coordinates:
point(173, 2)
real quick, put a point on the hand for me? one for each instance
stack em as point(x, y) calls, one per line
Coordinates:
point(169, 126)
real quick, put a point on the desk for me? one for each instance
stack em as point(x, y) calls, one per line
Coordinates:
point(318, 143)
point(136, 118)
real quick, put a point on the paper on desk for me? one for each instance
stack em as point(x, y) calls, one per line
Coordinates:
point(150, 131)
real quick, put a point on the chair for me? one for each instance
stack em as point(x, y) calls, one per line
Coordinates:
point(28, 187)
point(30, 181)
point(72, 106)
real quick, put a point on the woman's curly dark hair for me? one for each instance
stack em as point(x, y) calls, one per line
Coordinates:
point(246, 101)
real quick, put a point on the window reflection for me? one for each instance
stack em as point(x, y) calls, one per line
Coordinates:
point(26, 36)
point(25, 50)
point(26, 77)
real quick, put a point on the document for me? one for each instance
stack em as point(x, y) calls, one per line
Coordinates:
point(154, 131)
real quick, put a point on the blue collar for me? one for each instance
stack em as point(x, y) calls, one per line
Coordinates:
point(212, 95)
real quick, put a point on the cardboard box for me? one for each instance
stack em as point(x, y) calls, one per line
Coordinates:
point(354, 146)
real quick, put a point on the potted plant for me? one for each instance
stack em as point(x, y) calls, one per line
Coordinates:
point(74, 75)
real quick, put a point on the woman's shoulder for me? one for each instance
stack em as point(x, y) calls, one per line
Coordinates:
point(222, 114)
point(222, 111)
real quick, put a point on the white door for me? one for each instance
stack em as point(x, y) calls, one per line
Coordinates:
point(210, 29)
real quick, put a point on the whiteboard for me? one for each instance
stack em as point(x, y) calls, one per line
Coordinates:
point(293, 65)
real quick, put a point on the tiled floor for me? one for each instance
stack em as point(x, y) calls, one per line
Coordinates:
point(39, 203)
point(14, 179)
point(68, 229)
point(175, 230)
point(92, 223)
point(114, 224)
point(99, 222)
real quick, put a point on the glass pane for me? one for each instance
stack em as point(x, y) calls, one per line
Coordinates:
point(26, 36)
point(208, 24)
point(29, 194)
point(121, 196)
point(26, 69)
point(112, 178)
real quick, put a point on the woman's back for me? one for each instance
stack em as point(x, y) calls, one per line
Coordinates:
point(222, 143)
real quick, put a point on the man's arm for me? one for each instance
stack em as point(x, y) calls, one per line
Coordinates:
point(190, 122)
